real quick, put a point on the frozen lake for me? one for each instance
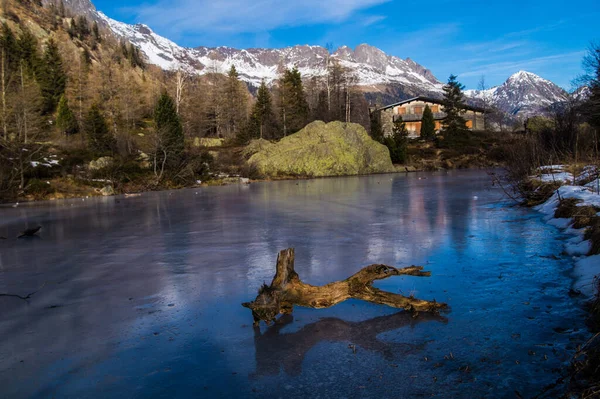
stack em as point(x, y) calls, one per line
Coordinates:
point(141, 297)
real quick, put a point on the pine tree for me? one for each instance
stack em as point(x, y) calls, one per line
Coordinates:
point(65, 118)
point(10, 44)
point(169, 131)
point(86, 58)
point(99, 137)
point(376, 128)
point(53, 79)
point(454, 106)
point(72, 30)
point(83, 28)
point(96, 32)
point(397, 143)
point(29, 52)
point(261, 118)
point(292, 102)
point(427, 125)
point(234, 98)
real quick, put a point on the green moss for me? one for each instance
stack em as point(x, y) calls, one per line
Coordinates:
point(334, 149)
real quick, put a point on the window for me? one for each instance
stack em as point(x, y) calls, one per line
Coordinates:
point(470, 124)
point(435, 108)
point(419, 109)
point(418, 127)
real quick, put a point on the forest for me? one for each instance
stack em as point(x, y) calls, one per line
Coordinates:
point(72, 93)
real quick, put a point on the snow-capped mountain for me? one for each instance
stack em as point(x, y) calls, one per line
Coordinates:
point(582, 94)
point(370, 65)
point(384, 78)
point(523, 94)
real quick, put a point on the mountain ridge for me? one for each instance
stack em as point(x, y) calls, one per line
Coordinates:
point(523, 93)
point(382, 77)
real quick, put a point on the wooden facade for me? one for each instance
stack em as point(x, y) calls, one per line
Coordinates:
point(411, 112)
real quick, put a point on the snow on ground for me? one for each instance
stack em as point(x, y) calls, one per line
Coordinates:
point(561, 177)
point(47, 162)
point(553, 173)
point(585, 270)
point(586, 267)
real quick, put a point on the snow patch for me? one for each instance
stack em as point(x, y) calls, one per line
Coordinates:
point(586, 267)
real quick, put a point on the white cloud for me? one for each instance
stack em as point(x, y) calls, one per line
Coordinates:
point(509, 67)
point(177, 17)
point(372, 19)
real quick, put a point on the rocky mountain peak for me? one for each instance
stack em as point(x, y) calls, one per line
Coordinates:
point(524, 93)
point(391, 77)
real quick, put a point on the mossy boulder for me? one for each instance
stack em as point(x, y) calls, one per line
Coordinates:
point(320, 149)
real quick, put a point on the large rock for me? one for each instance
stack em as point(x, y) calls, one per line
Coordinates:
point(101, 163)
point(320, 149)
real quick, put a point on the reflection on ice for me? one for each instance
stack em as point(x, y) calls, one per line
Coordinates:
point(276, 351)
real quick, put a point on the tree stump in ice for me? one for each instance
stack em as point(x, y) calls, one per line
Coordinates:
point(287, 290)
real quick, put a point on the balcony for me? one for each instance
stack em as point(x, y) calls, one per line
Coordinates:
point(418, 117)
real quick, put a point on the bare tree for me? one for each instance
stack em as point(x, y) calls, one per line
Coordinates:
point(181, 79)
point(486, 99)
point(4, 93)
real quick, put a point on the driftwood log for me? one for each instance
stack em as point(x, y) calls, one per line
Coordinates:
point(287, 290)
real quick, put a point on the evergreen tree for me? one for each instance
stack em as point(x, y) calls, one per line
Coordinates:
point(376, 128)
point(53, 79)
point(83, 28)
point(96, 32)
point(11, 51)
point(261, 119)
point(133, 54)
point(454, 106)
point(234, 99)
point(65, 118)
point(397, 143)
point(169, 131)
point(29, 52)
point(72, 30)
point(86, 58)
point(99, 137)
point(428, 125)
point(292, 102)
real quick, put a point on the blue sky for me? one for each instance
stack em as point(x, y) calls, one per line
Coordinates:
point(467, 38)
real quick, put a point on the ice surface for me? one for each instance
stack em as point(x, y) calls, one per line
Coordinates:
point(142, 296)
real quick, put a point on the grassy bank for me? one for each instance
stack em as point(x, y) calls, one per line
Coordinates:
point(480, 149)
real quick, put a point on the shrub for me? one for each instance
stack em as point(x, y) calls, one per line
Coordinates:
point(39, 189)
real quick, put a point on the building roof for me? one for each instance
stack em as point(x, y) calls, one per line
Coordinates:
point(429, 100)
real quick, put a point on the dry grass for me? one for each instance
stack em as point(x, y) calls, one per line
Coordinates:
point(534, 192)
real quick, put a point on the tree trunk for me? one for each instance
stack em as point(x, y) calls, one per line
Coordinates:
point(287, 290)
point(25, 128)
point(4, 116)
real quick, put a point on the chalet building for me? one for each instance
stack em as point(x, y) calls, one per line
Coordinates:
point(411, 111)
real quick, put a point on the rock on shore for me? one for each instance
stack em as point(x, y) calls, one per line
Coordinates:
point(320, 149)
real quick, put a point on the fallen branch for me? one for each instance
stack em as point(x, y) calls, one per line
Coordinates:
point(26, 297)
point(287, 290)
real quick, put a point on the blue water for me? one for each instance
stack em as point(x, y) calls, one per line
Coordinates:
point(141, 297)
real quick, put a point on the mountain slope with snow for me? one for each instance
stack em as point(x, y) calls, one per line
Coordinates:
point(523, 94)
point(382, 77)
point(370, 65)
